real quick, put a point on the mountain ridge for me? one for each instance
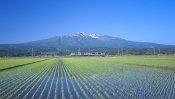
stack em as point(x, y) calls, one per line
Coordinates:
point(91, 40)
point(92, 35)
point(66, 44)
point(83, 40)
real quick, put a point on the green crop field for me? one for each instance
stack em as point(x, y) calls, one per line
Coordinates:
point(11, 62)
point(122, 77)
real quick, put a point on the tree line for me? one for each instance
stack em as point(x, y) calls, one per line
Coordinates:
point(66, 51)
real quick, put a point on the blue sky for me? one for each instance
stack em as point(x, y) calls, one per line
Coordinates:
point(136, 20)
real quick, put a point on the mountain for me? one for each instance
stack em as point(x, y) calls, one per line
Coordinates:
point(66, 44)
point(89, 41)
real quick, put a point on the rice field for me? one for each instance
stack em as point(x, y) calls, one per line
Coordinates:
point(12, 62)
point(89, 78)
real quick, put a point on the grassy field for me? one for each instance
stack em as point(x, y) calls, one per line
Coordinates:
point(11, 62)
point(90, 77)
point(140, 60)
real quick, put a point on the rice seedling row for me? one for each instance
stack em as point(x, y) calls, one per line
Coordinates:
point(21, 88)
point(74, 78)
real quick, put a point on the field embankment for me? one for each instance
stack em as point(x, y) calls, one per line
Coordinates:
point(9, 63)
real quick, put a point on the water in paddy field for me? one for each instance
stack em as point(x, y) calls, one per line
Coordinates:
point(61, 81)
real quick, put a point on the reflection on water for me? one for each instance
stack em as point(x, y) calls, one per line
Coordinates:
point(59, 81)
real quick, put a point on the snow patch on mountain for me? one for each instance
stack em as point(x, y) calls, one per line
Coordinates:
point(94, 35)
point(78, 34)
point(82, 34)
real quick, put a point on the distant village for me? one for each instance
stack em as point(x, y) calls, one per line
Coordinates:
point(55, 53)
point(87, 54)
